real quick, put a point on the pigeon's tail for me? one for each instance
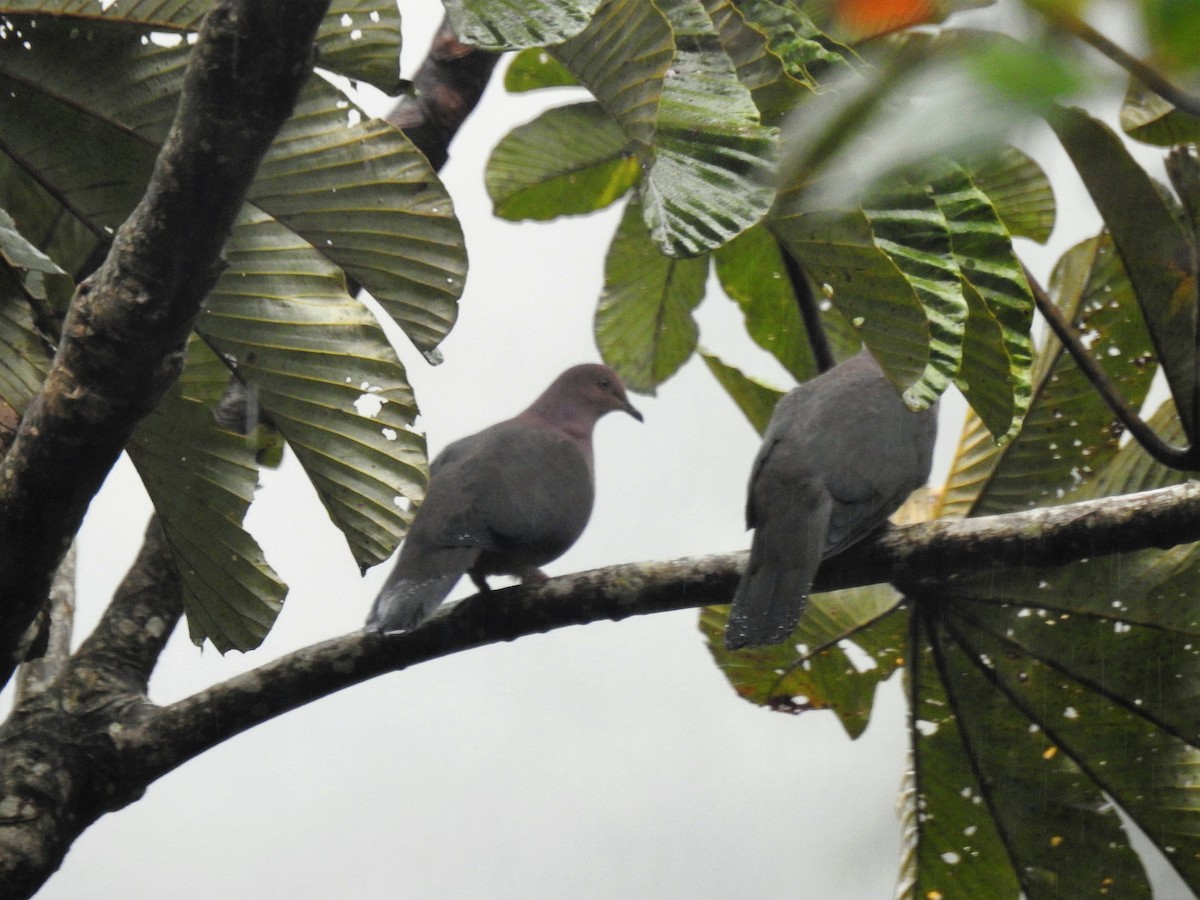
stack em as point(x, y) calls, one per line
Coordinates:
point(403, 604)
point(774, 589)
point(417, 586)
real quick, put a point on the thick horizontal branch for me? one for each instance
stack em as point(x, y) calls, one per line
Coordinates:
point(123, 338)
point(1053, 536)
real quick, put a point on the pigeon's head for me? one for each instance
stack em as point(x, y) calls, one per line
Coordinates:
point(583, 394)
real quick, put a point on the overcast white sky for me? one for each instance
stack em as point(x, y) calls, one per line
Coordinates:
point(607, 761)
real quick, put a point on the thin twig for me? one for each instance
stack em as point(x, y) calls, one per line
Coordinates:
point(1179, 458)
point(818, 341)
point(1145, 73)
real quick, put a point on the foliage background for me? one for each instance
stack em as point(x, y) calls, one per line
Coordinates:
point(597, 762)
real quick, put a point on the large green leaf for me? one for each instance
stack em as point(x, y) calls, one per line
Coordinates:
point(513, 24)
point(693, 126)
point(357, 191)
point(844, 646)
point(201, 480)
point(1061, 835)
point(367, 200)
point(622, 57)
point(569, 160)
point(889, 268)
point(755, 399)
point(805, 51)
point(956, 848)
point(358, 38)
point(325, 375)
point(1069, 689)
point(994, 376)
point(774, 89)
point(1069, 432)
point(1158, 251)
point(712, 171)
point(353, 195)
point(1018, 189)
point(752, 272)
point(644, 324)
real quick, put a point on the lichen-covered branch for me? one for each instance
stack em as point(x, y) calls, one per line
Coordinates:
point(933, 550)
point(121, 348)
point(123, 338)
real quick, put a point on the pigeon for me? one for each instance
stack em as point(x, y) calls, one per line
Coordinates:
point(504, 501)
point(841, 453)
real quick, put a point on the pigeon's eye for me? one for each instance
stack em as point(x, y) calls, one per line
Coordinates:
point(606, 385)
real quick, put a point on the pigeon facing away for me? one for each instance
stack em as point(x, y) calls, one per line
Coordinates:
point(842, 453)
point(504, 501)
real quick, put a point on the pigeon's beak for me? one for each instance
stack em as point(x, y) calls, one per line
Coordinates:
point(632, 410)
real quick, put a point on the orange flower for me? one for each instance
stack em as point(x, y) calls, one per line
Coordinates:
point(868, 18)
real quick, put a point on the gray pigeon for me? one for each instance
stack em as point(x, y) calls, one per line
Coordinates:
point(504, 501)
point(842, 453)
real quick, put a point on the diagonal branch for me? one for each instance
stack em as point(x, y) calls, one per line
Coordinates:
point(1179, 458)
point(123, 339)
point(446, 89)
point(1145, 73)
point(172, 735)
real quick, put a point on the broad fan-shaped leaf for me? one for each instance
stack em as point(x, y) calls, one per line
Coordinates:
point(889, 268)
point(325, 375)
point(956, 848)
point(712, 171)
point(359, 193)
point(356, 196)
point(1098, 660)
point(569, 160)
point(755, 399)
point(365, 198)
point(994, 376)
point(1018, 189)
point(513, 24)
point(774, 89)
point(201, 480)
point(644, 324)
point(832, 660)
point(1059, 833)
point(676, 95)
point(622, 57)
point(1158, 251)
point(358, 38)
point(1069, 432)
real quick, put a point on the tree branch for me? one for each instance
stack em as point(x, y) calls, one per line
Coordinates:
point(123, 338)
point(1146, 74)
point(913, 554)
point(446, 89)
point(1179, 458)
point(818, 340)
